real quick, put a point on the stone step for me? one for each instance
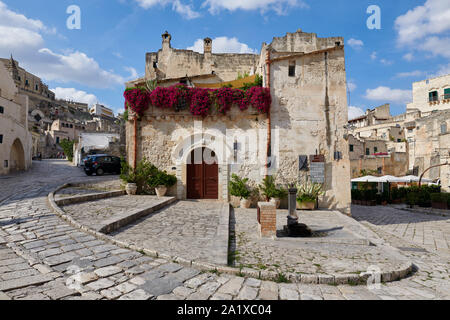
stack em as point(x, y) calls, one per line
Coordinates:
point(26, 281)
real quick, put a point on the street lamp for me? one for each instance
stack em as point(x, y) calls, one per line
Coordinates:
point(435, 166)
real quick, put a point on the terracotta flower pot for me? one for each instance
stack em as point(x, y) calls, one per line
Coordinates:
point(161, 191)
point(246, 203)
point(276, 201)
point(131, 188)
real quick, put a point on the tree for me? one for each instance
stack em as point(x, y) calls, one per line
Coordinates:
point(67, 146)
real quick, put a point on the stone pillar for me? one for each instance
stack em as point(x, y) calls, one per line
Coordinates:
point(267, 219)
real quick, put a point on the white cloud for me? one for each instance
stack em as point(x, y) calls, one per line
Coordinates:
point(408, 57)
point(75, 95)
point(185, 10)
point(416, 73)
point(443, 70)
point(11, 18)
point(23, 38)
point(355, 44)
point(389, 95)
point(351, 85)
point(386, 62)
point(437, 46)
point(421, 27)
point(279, 6)
point(373, 55)
point(354, 112)
point(223, 45)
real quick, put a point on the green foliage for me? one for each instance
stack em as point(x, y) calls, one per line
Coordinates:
point(162, 178)
point(151, 85)
point(143, 172)
point(67, 147)
point(125, 115)
point(257, 83)
point(238, 187)
point(309, 192)
point(242, 75)
point(368, 172)
point(269, 189)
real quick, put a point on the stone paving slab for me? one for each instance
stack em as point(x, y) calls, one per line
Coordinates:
point(187, 229)
point(339, 252)
point(97, 214)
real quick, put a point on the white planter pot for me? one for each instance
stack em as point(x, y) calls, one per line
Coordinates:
point(275, 201)
point(246, 203)
point(131, 188)
point(161, 191)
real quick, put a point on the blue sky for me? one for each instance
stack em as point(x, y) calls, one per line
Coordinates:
point(91, 64)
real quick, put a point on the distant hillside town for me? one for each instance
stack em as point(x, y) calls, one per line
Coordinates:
point(35, 122)
point(410, 143)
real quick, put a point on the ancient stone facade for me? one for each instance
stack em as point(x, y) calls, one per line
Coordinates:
point(15, 139)
point(307, 79)
point(430, 95)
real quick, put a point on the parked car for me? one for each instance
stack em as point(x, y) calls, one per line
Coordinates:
point(83, 161)
point(101, 164)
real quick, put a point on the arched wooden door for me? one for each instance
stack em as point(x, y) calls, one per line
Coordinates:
point(202, 175)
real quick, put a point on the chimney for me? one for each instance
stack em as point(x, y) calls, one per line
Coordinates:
point(207, 45)
point(166, 37)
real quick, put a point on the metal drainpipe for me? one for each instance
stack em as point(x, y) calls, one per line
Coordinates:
point(135, 143)
point(269, 131)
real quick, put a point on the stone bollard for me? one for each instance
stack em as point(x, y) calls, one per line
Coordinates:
point(267, 219)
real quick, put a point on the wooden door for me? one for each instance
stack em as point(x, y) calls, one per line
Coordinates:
point(202, 179)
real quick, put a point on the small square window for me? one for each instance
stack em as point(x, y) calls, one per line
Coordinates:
point(375, 150)
point(6, 164)
point(351, 148)
point(367, 151)
point(1, 138)
point(2, 110)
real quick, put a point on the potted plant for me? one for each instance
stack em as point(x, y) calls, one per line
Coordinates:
point(307, 195)
point(128, 176)
point(161, 181)
point(271, 192)
point(238, 188)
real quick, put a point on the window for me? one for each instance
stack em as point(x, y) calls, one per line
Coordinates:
point(27, 83)
point(444, 128)
point(2, 110)
point(292, 69)
point(433, 96)
point(57, 139)
point(447, 93)
point(367, 151)
point(1, 138)
point(6, 164)
point(37, 87)
point(380, 170)
point(375, 150)
point(351, 148)
point(71, 126)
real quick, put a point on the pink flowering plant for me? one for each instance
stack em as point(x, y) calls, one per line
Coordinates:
point(137, 99)
point(200, 101)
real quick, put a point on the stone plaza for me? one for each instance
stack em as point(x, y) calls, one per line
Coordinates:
point(43, 256)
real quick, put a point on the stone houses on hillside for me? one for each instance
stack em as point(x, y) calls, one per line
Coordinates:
point(307, 80)
point(15, 139)
point(421, 132)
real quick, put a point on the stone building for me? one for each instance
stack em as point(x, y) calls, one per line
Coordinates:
point(430, 95)
point(421, 131)
point(307, 80)
point(377, 157)
point(15, 139)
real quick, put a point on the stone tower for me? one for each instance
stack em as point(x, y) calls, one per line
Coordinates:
point(207, 45)
point(166, 37)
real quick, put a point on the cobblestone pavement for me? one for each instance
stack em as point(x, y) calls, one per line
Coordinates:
point(83, 190)
point(185, 229)
point(94, 213)
point(429, 231)
point(336, 251)
point(41, 257)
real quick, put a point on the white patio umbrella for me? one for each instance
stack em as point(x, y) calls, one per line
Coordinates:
point(411, 178)
point(366, 179)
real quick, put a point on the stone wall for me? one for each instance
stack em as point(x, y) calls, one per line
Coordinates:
point(421, 92)
point(395, 164)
